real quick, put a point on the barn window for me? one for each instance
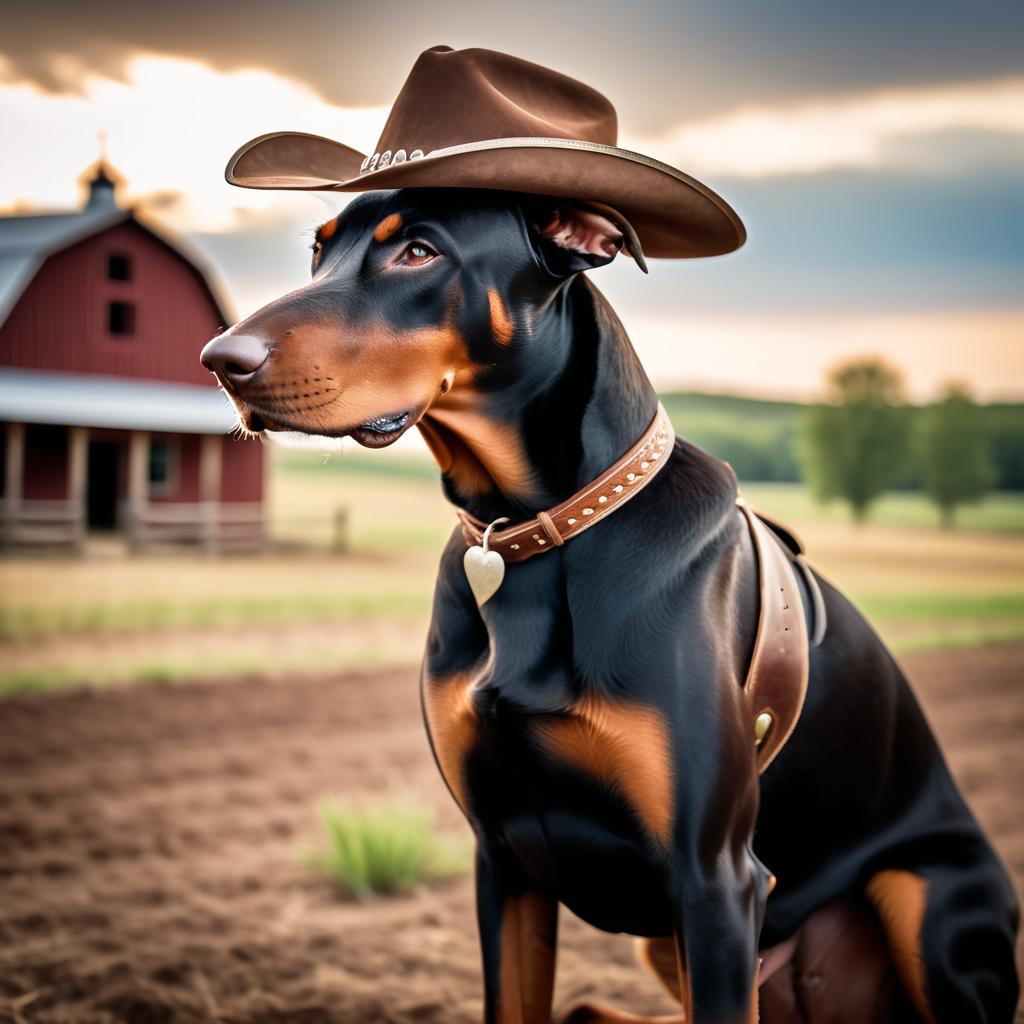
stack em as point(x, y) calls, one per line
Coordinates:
point(119, 267)
point(121, 318)
point(162, 468)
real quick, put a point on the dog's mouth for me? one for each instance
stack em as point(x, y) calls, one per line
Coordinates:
point(378, 432)
point(381, 431)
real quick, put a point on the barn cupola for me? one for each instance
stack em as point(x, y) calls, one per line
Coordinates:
point(102, 183)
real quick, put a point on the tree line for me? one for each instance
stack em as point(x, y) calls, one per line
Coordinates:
point(864, 436)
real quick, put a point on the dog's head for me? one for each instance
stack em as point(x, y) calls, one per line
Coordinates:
point(414, 295)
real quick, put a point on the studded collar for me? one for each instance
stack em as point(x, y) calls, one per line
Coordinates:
point(591, 504)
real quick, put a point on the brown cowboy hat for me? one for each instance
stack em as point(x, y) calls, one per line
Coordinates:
point(480, 119)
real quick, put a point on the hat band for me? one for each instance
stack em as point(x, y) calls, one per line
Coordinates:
point(379, 161)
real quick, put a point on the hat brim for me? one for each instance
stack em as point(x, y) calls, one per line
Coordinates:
point(674, 215)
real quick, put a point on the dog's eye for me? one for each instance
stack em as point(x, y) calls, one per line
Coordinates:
point(317, 249)
point(416, 254)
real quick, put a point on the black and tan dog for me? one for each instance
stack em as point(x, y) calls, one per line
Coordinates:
point(589, 719)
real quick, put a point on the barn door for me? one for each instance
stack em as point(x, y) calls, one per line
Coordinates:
point(101, 486)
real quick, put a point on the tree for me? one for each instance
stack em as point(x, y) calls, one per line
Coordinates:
point(854, 444)
point(954, 452)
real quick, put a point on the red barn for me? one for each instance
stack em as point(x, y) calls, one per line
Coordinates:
point(109, 421)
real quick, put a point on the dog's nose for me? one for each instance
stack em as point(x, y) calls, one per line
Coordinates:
point(234, 357)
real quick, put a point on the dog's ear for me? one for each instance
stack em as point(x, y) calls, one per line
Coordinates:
point(572, 235)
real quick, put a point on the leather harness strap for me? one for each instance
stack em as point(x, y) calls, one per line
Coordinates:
point(792, 543)
point(776, 682)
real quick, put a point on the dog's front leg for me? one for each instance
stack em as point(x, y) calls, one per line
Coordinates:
point(518, 934)
point(718, 920)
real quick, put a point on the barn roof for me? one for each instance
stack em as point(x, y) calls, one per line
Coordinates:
point(79, 400)
point(26, 242)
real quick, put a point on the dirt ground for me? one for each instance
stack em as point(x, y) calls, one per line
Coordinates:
point(150, 843)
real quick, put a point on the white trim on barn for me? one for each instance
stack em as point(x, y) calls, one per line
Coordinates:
point(124, 403)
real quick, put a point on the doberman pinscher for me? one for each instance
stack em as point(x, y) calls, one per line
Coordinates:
point(589, 718)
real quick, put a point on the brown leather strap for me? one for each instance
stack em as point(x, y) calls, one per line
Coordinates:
point(586, 507)
point(776, 682)
point(795, 546)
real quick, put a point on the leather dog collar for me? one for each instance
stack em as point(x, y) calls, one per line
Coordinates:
point(551, 529)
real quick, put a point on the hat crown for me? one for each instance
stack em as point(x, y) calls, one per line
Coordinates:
point(452, 97)
point(479, 119)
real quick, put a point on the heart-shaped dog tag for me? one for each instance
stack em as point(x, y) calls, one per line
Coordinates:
point(484, 569)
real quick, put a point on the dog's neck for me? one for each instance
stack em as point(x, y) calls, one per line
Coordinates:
point(539, 425)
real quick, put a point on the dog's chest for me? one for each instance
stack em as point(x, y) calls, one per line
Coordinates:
point(581, 795)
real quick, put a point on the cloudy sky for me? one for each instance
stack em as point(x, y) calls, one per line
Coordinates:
point(874, 150)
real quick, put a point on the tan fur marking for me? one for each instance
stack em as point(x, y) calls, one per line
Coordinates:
point(501, 323)
point(484, 454)
point(451, 719)
point(527, 959)
point(625, 747)
point(900, 897)
point(659, 956)
point(437, 445)
point(387, 227)
point(366, 369)
point(327, 230)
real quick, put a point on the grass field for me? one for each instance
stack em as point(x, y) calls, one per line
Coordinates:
point(998, 513)
point(160, 618)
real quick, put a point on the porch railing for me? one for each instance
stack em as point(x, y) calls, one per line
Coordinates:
point(214, 526)
point(236, 526)
point(42, 523)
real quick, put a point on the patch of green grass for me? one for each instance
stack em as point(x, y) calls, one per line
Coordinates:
point(924, 621)
point(157, 674)
point(389, 849)
point(31, 681)
point(924, 606)
point(175, 670)
point(21, 623)
point(1000, 512)
point(958, 638)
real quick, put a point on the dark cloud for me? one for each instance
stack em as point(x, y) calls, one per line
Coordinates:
point(849, 241)
point(661, 61)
